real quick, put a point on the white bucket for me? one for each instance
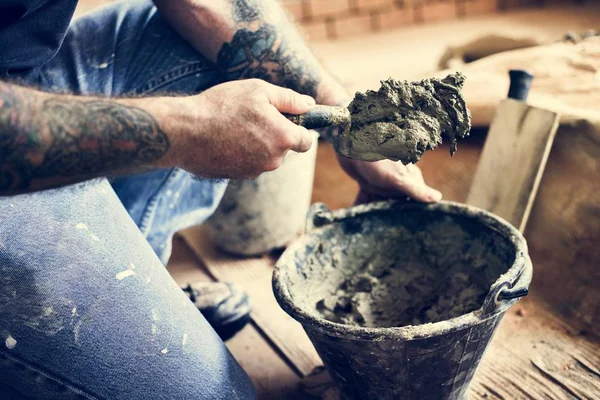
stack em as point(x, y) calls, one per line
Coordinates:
point(258, 215)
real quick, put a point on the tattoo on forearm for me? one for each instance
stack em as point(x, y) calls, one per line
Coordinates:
point(65, 138)
point(267, 51)
point(246, 10)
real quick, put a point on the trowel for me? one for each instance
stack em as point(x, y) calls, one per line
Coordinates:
point(514, 156)
point(399, 122)
point(320, 117)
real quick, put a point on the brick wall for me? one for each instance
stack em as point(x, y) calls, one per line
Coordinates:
point(331, 19)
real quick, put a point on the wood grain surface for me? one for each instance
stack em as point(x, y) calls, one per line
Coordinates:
point(513, 159)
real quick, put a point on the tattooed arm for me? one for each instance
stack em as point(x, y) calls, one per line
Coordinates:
point(253, 39)
point(49, 140)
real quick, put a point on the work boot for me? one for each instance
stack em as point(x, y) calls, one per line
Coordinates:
point(225, 305)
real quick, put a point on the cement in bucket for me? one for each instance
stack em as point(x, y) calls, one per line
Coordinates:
point(401, 300)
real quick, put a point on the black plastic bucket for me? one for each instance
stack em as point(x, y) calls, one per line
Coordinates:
point(424, 361)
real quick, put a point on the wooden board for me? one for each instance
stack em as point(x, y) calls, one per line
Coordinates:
point(271, 375)
point(536, 355)
point(513, 161)
point(563, 232)
point(254, 274)
point(565, 80)
point(414, 51)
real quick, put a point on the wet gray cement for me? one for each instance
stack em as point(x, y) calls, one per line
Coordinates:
point(404, 277)
point(403, 119)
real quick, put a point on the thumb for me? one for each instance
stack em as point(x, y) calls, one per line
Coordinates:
point(421, 192)
point(303, 140)
point(288, 101)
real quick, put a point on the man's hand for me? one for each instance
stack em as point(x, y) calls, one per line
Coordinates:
point(236, 129)
point(386, 179)
point(254, 39)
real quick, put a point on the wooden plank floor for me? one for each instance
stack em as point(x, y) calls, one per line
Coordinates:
point(534, 355)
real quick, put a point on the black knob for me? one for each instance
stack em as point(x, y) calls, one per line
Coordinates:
point(520, 82)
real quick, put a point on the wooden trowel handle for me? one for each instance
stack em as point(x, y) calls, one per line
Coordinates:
point(321, 117)
point(520, 83)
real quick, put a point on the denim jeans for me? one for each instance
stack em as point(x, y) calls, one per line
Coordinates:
point(87, 309)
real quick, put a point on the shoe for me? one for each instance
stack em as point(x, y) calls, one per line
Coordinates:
point(225, 306)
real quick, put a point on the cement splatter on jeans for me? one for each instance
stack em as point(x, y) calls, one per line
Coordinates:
point(78, 330)
point(64, 310)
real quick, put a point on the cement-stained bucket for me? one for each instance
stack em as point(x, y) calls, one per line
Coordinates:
point(401, 300)
point(258, 215)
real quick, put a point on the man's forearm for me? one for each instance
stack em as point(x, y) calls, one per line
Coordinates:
point(252, 39)
point(50, 140)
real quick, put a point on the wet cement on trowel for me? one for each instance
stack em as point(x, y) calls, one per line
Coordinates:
point(403, 119)
point(401, 277)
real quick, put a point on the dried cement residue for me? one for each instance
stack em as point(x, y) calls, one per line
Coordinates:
point(404, 119)
point(404, 273)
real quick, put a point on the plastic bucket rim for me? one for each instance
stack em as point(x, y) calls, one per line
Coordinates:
point(409, 332)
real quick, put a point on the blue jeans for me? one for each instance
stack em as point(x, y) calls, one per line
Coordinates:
point(87, 309)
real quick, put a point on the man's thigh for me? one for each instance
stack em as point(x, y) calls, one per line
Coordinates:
point(88, 311)
point(127, 48)
point(86, 308)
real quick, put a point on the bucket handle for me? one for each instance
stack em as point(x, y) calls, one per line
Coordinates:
point(318, 215)
point(521, 286)
point(507, 291)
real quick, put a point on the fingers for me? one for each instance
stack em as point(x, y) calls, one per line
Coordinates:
point(409, 180)
point(364, 197)
point(288, 101)
point(420, 191)
point(399, 190)
point(302, 140)
point(292, 136)
point(386, 179)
